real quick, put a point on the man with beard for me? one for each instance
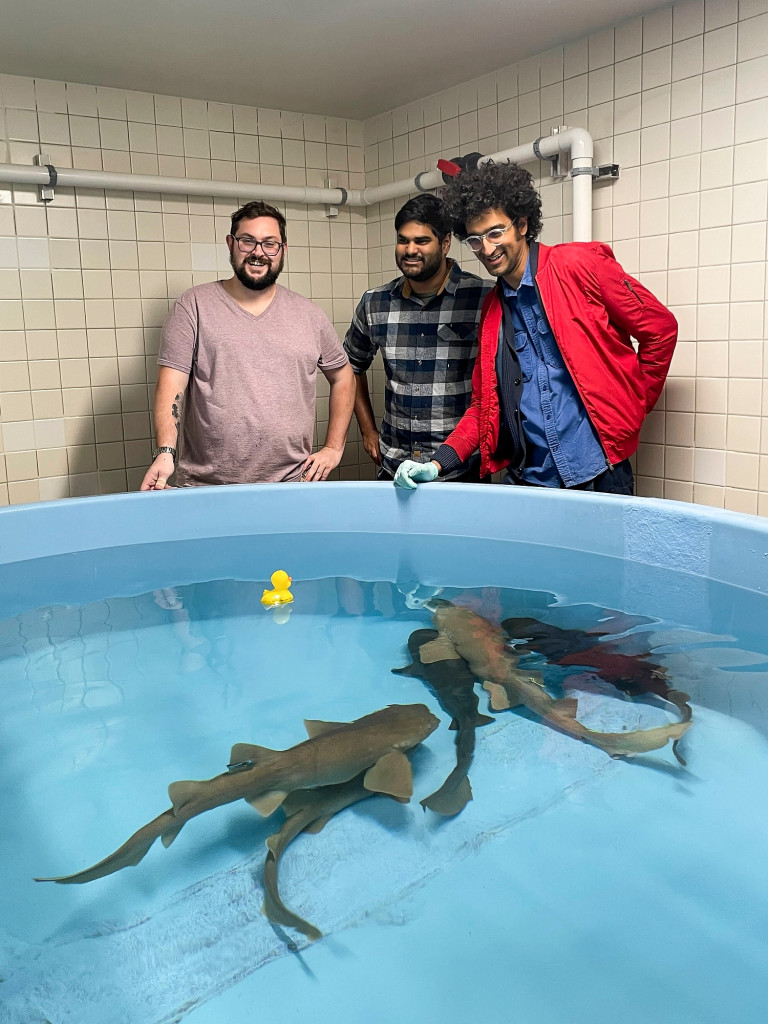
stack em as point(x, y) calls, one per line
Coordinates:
point(235, 393)
point(560, 391)
point(424, 323)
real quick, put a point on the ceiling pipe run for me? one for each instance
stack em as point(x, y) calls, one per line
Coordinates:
point(577, 142)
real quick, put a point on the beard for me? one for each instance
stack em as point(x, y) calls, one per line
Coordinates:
point(426, 269)
point(258, 284)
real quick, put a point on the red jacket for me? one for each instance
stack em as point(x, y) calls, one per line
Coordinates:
point(594, 309)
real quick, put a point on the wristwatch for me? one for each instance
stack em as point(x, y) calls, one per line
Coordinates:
point(162, 449)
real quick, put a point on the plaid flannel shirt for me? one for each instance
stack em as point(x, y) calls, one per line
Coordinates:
point(429, 351)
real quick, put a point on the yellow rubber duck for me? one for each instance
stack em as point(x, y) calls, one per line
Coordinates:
point(281, 594)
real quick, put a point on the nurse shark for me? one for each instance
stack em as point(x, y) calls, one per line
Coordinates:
point(483, 647)
point(307, 810)
point(448, 677)
point(335, 752)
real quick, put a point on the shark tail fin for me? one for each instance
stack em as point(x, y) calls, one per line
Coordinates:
point(450, 799)
point(182, 793)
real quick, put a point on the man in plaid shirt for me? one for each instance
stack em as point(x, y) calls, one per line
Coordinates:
point(425, 325)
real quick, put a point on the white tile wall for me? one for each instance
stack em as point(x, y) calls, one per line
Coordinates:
point(86, 282)
point(678, 98)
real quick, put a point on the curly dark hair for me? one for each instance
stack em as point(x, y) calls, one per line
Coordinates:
point(492, 186)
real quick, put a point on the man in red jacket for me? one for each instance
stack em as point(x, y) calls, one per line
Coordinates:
point(559, 392)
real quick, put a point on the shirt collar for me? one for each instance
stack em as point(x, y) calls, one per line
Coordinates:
point(511, 293)
point(403, 285)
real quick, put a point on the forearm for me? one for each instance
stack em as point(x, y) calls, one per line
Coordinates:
point(169, 405)
point(340, 405)
point(363, 406)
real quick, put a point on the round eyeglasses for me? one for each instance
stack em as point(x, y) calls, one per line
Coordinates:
point(270, 247)
point(494, 236)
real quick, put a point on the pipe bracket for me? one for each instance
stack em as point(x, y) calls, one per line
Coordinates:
point(598, 173)
point(46, 193)
point(417, 181)
point(555, 162)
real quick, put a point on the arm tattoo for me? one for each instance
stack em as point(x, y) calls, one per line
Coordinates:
point(176, 410)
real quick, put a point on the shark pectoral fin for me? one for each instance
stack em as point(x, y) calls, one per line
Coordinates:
point(499, 698)
point(440, 649)
point(568, 707)
point(482, 720)
point(454, 725)
point(267, 803)
point(315, 727)
point(249, 752)
point(392, 775)
point(170, 834)
point(182, 793)
point(449, 800)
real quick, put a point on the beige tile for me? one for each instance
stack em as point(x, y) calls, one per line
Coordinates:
point(54, 487)
point(47, 404)
point(710, 430)
point(743, 433)
point(23, 491)
point(742, 470)
point(52, 462)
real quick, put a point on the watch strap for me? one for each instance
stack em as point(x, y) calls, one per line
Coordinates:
point(162, 450)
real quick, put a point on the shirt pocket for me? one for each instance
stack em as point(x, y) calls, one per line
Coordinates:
point(459, 334)
point(548, 345)
point(525, 354)
point(456, 352)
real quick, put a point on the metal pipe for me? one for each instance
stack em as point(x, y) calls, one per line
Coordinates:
point(74, 178)
point(576, 141)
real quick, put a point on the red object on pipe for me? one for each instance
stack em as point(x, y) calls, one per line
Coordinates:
point(448, 167)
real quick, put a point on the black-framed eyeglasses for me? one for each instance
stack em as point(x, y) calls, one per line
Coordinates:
point(270, 247)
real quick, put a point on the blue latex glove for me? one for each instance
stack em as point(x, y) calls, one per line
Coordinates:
point(409, 472)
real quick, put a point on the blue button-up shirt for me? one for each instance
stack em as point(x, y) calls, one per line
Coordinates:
point(562, 448)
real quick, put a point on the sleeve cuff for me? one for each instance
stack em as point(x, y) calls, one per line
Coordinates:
point(447, 458)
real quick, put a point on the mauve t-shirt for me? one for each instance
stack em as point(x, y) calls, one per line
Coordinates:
point(249, 411)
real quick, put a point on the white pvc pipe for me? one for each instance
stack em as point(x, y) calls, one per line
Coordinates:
point(73, 178)
point(576, 141)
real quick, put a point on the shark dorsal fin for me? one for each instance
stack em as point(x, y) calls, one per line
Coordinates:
point(391, 775)
point(440, 649)
point(267, 803)
point(249, 752)
point(182, 793)
point(170, 834)
point(315, 727)
point(318, 824)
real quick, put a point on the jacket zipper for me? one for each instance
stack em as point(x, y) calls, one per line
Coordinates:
point(629, 286)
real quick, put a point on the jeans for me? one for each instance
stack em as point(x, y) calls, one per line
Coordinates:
point(618, 480)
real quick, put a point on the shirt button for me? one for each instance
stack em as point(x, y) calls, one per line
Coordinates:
point(517, 382)
point(419, 362)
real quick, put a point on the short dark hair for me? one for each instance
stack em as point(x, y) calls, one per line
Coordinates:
point(258, 209)
point(425, 209)
point(491, 186)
